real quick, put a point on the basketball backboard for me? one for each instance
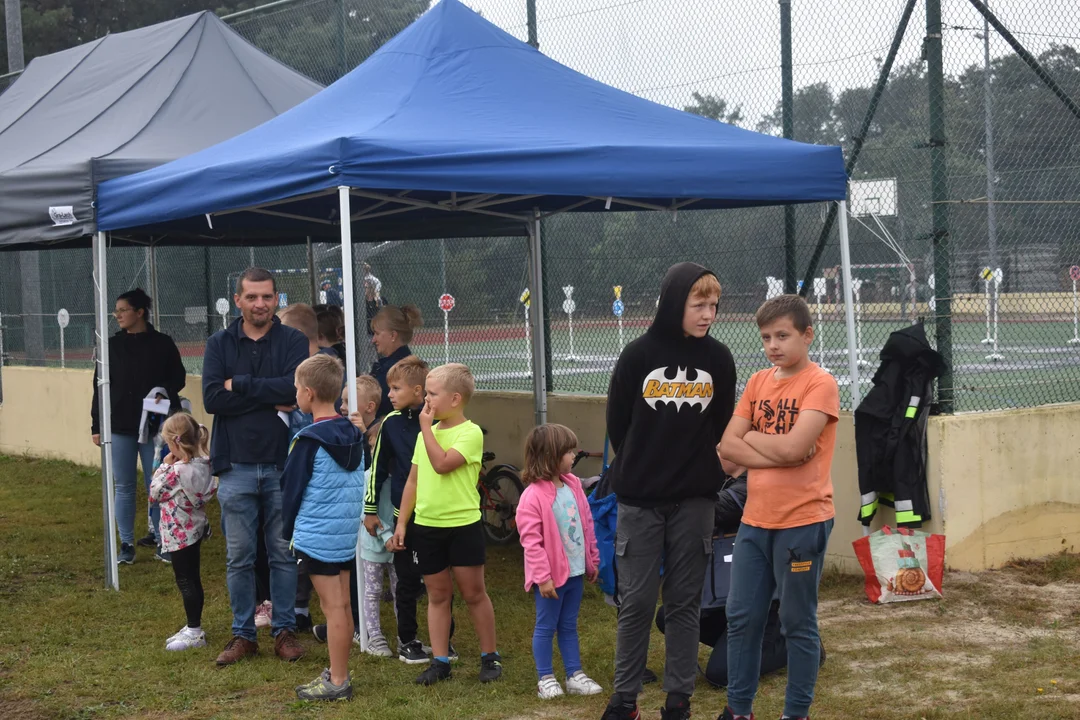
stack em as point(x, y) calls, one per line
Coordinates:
point(873, 197)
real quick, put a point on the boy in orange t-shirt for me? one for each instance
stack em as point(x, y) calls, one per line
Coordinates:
point(784, 431)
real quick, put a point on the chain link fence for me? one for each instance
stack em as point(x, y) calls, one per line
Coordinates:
point(1012, 154)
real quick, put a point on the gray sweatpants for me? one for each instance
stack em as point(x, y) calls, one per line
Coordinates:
point(678, 538)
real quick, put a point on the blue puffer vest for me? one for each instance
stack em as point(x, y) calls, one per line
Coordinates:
point(328, 522)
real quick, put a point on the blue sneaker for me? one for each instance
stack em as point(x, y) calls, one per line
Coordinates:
point(163, 556)
point(126, 556)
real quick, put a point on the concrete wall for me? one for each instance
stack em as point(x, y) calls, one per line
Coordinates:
point(1002, 484)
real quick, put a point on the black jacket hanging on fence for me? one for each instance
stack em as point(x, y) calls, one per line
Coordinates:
point(890, 429)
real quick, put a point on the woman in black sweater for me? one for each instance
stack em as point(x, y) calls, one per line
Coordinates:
point(140, 359)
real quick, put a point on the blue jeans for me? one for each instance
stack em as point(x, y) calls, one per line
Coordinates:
point(244, 492)
point(126, 452)
point(787, 562)
point(558, 617)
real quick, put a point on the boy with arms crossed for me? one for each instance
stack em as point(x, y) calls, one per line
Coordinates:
point(784, 430)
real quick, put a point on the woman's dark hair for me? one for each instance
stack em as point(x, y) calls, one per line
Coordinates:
point(138, 300)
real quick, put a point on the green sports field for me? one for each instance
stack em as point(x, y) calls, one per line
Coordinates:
point(1037, 367)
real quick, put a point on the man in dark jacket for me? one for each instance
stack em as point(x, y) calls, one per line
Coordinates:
point(672, 394)
point(248, 372)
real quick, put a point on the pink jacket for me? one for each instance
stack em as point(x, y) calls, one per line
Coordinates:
point(545, 558)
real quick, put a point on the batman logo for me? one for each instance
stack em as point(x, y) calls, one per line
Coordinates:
point(679, 390)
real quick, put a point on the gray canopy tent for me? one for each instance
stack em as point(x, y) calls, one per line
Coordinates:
point(122, 104)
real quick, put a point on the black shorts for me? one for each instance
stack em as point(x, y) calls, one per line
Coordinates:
point(313, 566)
point(439, 548)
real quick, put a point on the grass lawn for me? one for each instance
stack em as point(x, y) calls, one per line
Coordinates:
point(1001, 644)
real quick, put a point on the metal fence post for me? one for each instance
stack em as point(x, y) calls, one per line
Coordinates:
point(530, 11)
point(939, 195)
point(787, 104)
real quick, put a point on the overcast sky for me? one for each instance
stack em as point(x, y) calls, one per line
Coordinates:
point(666, 49)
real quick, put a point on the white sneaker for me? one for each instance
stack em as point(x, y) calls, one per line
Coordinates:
point(378, 647)
point(262, 615)
point(186, 639)
point(581, 684)
point(548, 688)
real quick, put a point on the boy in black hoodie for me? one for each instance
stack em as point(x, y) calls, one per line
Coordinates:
point(672, 394)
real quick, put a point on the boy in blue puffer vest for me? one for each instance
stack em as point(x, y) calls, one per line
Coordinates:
point(322, 498)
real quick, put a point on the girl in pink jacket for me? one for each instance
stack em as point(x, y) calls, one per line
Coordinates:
point(556, 530)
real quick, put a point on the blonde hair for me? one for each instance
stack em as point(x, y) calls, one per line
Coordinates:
point(301, 317)
point(544, 449)
point(322, 374)
point(187, 434)
point(705, 287)
point(411, 370)
point(401, 320)
point(455, 378)
point(368, 390)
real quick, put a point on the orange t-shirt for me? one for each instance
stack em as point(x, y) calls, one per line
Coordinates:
point(790, 497)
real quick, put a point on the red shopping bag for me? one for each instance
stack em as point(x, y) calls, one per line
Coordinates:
point(901, 565)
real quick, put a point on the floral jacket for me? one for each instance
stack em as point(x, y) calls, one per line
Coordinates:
point(183, 489)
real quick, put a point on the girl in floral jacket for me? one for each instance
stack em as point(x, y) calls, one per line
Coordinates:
point(183, 485)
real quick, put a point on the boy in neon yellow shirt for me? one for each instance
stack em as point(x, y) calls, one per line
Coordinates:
point(447, 532)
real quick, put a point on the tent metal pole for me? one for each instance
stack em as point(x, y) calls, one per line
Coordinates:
point(536, 317)
point(349, 299)
point(849, 307)
point(151, 258)
point(108, 509)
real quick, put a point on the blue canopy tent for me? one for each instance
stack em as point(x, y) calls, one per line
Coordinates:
point(456, 128)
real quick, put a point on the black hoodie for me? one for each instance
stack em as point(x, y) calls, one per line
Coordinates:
point(138, 363)
point(670, 399)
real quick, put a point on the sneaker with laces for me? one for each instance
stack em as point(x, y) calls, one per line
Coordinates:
point(490, 667)
point(548, 688)
point(236, 650)
point(436, 672)
point(147, 542)
point(319, 631)
point(620, 711)
point(581, 684)
point(163, 556)
point(452, 654)
point(186, 639)
point(263, 612)
point(378, 647)
point(412, 653)
point(323, 689)
point(126, 556)
point(287, 647)
point(675, 713)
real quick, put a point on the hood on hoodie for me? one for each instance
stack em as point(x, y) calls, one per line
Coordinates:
point(674, 291)
point(340, 439)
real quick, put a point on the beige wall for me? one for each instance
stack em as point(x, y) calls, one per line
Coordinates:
point(1002, 484)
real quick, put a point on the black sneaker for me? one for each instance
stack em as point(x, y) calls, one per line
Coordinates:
point(303, 623)
point(148, 541)
point(412, 653)
point(728, 715)
point(648, 676)
point(163, 556)
point(676, 708)
point(319, 631)
point(822, 661)
point(453, 654)
point(490, 667)
point(437, 671)
point(126, 556)
point(619, 711)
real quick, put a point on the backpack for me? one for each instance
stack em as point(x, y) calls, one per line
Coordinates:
point(718, 575)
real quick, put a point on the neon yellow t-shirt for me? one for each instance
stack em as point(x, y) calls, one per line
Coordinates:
point(449, 500)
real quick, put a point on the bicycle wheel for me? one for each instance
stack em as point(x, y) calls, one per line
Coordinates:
point(500, 507)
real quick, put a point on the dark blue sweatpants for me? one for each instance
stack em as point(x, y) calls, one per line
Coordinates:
point(788, 563)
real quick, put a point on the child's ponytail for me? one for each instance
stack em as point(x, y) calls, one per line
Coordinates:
point(544, 450)
point(204, 441)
